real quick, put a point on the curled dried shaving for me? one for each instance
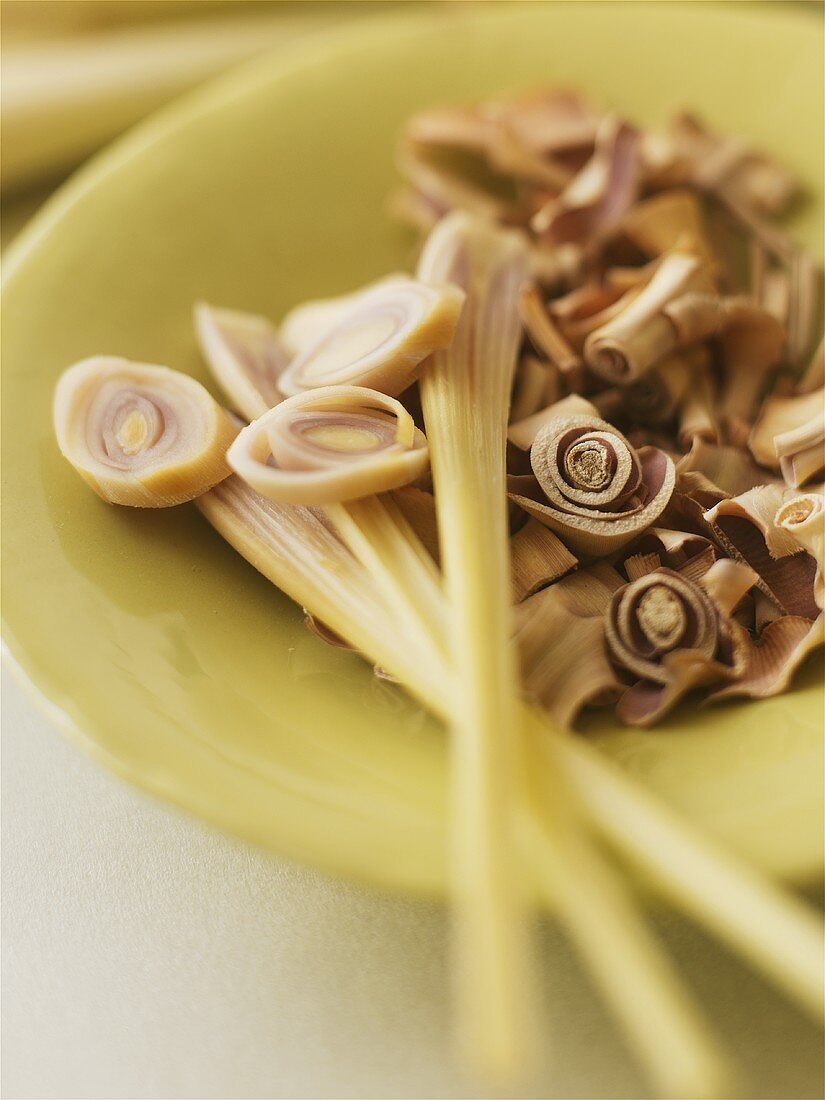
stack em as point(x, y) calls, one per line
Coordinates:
point(674, 635)
point(593, 488)
point(521, 433)
point(689, 554)
point(640, 334)
point(595, 200)
point(804, 518)
point(789, 435)
point(141, 435)
point(245, 357)
point(328, 445)
point(745, 526)
point(381, 341)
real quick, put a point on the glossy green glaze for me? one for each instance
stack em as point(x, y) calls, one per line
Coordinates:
point(167, 655)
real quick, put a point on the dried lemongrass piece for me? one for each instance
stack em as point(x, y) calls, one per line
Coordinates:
point(685, 552)
point(586, 308)
point(465, 395)
point(770, 666)
point(245, 357)
point(728, 469)
point(549, 123)
point(658, 394)
point(641, 334)
point(537, 384)
point(726, 165)
point(804, 518)
point(140, 435)
point(657, 224)
point(745, 526)
point(674, 635)
point(697, 414)
point(537, 558)
point(595, 200)
point(448, 188)
point(563, 658)
point(304, 325)
point(521, 433)
point(333, 444)
point(542, 331)
point(593, 488)
point(790, 434)
point(381, 341)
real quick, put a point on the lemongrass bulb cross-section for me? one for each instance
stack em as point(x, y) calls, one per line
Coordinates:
point(335, 444)
point(141, 435)
point(382, 341)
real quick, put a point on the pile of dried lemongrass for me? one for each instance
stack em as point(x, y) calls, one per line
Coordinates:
point(616, 502)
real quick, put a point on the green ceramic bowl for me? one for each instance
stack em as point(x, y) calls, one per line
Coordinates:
point(162, 651)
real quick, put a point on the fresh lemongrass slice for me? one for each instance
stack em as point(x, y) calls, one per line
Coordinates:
point(592, 487)
point(333, 444)
point(804, 518)
point(465, 395)
point(141, 435)
point(304, 325)
point(381, 341)
point(746, 527)
point(245, 356)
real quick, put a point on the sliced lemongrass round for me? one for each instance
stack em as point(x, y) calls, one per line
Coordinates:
point(382, 341)
point(141, 435)
point(245, 357)
point(304, 325)
point(334, 444)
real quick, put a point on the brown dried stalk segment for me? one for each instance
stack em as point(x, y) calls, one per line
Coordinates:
point(770, 663)
point(537, 558)
point(588, 307)
point(521, 433)
point(543, 332)
point(685, 552)
point(745, 526)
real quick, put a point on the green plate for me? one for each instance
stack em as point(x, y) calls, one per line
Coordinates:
point(162, 651)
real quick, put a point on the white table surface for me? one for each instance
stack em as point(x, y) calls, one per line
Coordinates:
point(146, 955)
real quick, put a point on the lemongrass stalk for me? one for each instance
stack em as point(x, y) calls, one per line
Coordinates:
point(661, 1025)
point(776, 932)
point(325, 577)
point(465, 394)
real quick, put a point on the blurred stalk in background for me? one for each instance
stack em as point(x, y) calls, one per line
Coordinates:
point(76, 73)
